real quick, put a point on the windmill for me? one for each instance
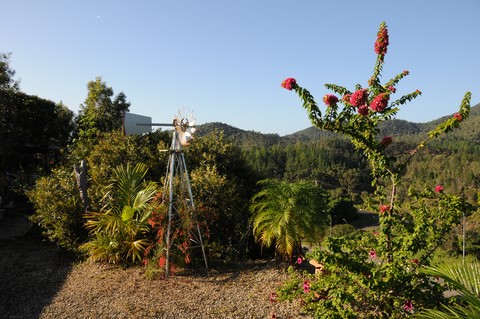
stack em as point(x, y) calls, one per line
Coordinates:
point(177, 192)
point(177, 189)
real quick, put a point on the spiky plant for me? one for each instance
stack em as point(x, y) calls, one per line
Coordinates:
point(120, 231)
point(285, 214)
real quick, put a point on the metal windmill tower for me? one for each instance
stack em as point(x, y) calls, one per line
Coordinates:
point(177, 189)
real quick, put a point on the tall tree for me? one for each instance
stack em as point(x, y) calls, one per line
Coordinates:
point(98, 114)
point(27, 120)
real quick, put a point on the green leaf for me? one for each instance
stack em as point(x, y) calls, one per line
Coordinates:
point(127, 213)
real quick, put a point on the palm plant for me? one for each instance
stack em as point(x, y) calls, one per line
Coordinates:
point(120, 230)
point(287, 214)
point(465, 280)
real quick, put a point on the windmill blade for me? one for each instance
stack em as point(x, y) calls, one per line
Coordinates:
point(185, 137)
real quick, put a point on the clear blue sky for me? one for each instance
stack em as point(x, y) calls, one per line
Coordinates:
point(225, 60)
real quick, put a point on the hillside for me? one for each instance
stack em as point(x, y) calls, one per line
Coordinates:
point(452, 160)
point(469, 130)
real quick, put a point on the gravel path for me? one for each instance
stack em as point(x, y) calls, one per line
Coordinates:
point(38, 280)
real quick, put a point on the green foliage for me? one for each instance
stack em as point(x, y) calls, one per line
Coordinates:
point(221, 180)
point(58, 209)
point(285, 214)
point(219, 209)
point(29, 123)
point(465, 280)
point(7, 81)
point(114, 149)
point(377, 276)
point(120, 231)
point(342, 210)
point(99, 114)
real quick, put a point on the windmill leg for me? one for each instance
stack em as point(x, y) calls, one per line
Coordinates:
point(194, 211)
point(170, 213)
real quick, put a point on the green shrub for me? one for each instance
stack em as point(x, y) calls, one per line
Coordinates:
point(121, 232)
point(58, 208)
point(113, 149)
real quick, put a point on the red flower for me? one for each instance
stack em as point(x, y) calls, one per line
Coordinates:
point(359, 97)
point(384, 208)
point(382, 40)
point(408, 305)
point(406, 72)
point(363, 110)
point(458, 117)
point(392, 89)
point(418, 91)
point(299, 260)
point(289, 83)
point(439, 189)
point(373, 254)
point(330, 99)
point(306, 287)
point(380, 102)
point(387, 140)
point(414, 261)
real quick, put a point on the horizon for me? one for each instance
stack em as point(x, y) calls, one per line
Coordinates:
point(226, 61)
point(311, 126)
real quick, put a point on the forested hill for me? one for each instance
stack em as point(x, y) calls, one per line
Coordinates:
point(452, 160)
point(240, 136)
point(470, 130)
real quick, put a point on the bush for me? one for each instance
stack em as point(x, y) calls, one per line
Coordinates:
point(113, 149)
point(58, 208)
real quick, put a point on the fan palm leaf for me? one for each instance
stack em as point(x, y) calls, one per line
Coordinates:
point(465, 280)
point(287, 213)
point(120, 230)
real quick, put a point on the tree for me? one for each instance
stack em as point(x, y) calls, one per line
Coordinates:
point(378, 277)
point(98, 114)
point(30, 123)
point(7, 73)
point(221, 180)
point(285, 214)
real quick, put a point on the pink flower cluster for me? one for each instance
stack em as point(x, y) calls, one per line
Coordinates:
point(380, 102)
point(330, 99)
point(439, 189)
point(289, 83)
point(359, 97)
point(372, 254)
point(306, 287)
point(363, 110)
point(392, 89)
point(384, 208)
point(382, 40)
point(408, 306)
point(458, 117)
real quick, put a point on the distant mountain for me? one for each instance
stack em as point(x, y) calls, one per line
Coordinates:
point(469, 130)
point(240, 136)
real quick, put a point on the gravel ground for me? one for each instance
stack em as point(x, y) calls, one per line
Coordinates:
point(39, 280)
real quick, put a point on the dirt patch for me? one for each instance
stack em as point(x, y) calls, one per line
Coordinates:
point(39, 280)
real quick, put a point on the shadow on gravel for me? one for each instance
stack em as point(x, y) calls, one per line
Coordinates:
point(31, 272)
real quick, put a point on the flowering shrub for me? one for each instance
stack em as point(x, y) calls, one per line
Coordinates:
point(377, 275)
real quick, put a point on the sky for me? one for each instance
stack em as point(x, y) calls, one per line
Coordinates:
point(224, 60)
